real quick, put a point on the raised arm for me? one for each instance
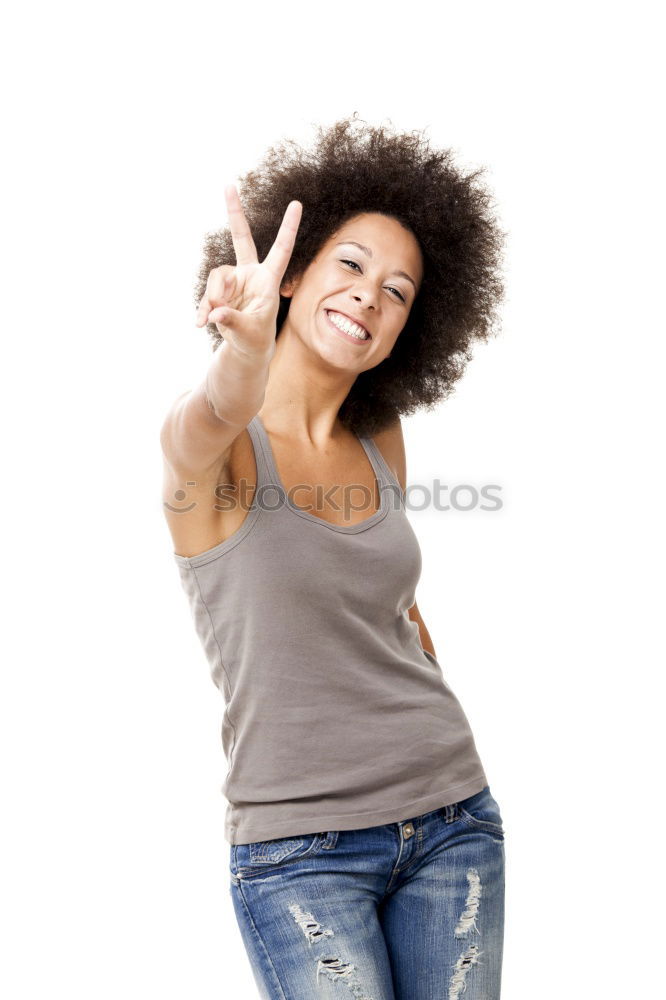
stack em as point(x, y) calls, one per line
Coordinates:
point(243, 302)
point(197, 433)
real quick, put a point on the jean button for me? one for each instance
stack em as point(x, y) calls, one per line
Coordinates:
point(408, 830)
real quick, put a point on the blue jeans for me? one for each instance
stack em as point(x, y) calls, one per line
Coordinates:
point(405, 911)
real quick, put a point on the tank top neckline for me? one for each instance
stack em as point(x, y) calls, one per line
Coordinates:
point(375, 458)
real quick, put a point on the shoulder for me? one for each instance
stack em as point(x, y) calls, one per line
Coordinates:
point(391, 444)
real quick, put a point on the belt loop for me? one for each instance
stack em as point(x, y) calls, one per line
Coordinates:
point(450, 812)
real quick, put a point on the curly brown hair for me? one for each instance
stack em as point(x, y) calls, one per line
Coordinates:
point(357, 168)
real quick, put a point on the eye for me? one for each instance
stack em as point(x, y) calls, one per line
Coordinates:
point(401, 297)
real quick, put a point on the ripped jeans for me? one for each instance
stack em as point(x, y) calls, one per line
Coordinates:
point(406, 910)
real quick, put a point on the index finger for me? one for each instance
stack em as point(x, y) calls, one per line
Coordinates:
point(279, 254)
point(244, 248)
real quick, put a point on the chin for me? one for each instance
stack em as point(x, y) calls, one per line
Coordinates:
point(334, 355)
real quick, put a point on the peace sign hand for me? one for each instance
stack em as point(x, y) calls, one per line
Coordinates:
point(243, 301)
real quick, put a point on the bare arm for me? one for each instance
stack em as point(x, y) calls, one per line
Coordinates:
point(199, 430)
point(424, 635)
point(392, 446)
point(202, 424)
point(243, 302)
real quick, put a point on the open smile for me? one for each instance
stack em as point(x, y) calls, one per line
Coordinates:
point(346, 327)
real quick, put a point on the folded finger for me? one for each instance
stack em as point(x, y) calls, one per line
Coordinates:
point(202, 312)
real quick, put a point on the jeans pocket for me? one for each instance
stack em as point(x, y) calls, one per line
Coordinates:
point(482, 812)
point(260, 856)
point(274, 852)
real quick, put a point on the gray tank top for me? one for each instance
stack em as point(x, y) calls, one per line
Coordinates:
point(335, 716)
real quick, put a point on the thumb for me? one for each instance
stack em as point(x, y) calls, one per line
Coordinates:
point(233, 318)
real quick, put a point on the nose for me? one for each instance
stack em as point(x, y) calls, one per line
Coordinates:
point(366, 295)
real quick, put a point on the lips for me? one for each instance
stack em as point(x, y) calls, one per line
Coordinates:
point(352, 319)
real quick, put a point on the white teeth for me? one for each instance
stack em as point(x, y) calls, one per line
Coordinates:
point(347, 326)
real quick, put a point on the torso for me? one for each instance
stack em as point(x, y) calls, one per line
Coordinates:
point(196, 530)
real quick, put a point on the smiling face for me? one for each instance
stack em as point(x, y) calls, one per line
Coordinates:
point(354, 298)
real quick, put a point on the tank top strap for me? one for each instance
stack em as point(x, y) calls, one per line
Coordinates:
point(266, 472)
point(385, 477)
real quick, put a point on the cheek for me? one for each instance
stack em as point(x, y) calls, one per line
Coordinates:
point(396, 331)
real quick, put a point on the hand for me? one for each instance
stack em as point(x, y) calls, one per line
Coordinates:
point(243, 301)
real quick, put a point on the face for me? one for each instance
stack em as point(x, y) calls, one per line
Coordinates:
point(366, 275)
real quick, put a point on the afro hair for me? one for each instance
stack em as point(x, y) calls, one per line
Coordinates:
point(354, 168)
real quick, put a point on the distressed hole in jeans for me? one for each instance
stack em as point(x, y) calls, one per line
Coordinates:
point(344, 972)
point(462, 967)
point(467, 919)
point(310, 927)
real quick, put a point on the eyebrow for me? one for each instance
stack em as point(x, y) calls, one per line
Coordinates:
point(368, 252)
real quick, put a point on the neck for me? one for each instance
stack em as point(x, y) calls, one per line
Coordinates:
point(304, 392)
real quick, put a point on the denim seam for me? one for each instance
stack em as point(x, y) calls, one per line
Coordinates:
point(283, 995)
point(481, 824)
point(418, 852)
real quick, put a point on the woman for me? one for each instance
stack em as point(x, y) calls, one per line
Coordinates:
point(366, 849)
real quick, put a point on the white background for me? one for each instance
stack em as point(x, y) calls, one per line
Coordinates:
point(122, 124)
